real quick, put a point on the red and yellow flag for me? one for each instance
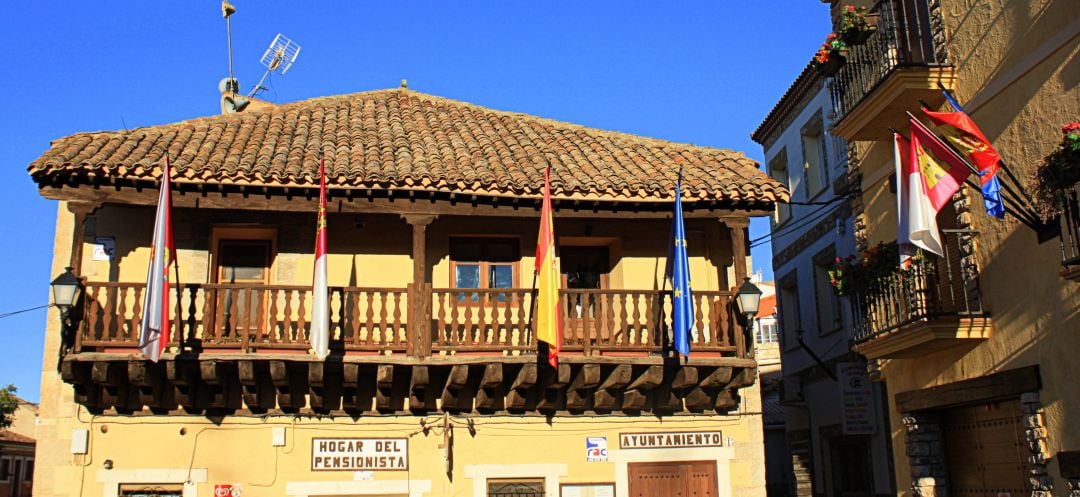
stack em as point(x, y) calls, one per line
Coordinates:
point(548, 318)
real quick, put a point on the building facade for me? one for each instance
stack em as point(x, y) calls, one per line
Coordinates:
point(17, 452)
point(837, 435)
point(434, 385)
point(975, 347)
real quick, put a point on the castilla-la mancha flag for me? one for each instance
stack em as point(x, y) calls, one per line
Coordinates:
point(154, 329)
point(917, 217)
point(548, 318)
point(320, 313)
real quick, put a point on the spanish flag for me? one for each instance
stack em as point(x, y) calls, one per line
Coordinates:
point(154, 329)
point(548, 318)
point(320, 314)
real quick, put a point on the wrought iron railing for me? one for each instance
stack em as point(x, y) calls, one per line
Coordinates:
point(251, 317)
point(1070, 229)
point(932, 288)
point(910, 33)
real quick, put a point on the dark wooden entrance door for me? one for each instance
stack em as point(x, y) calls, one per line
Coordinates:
point(673, 479)
point(986, 450)
point(584, 270)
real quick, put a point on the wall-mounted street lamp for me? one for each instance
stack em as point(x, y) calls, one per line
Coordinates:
point(749, 296)
point(67, 289)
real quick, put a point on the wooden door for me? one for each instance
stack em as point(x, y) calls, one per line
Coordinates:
point(673, 479)
point(986, 451)
point(239, 311)
point(584, 268)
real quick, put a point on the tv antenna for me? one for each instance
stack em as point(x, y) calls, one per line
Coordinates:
point(279, 57)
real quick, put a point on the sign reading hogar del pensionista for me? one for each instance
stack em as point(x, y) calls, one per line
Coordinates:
point(359, 454)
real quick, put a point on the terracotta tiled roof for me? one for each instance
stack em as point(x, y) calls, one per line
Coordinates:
point(10, 436)
point(403, 139)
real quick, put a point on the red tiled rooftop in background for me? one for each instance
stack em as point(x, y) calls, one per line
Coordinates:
point(10, 436)
point(402, 139)
point(767, 306)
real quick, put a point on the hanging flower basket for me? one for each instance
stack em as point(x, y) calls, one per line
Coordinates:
point(1058, 173)
point(831, 56)
point(856, 25)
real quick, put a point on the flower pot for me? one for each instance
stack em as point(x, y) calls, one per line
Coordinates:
point(860, 34)
point(833, 65)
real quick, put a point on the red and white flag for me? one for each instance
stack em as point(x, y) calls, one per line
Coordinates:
point(320, 313)
point(917, 216)
point(154, 329)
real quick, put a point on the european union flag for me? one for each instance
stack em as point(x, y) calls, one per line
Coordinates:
point(678, 268)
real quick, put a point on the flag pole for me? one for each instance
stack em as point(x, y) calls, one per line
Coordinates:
point(1001, 161)
point(1031, 217)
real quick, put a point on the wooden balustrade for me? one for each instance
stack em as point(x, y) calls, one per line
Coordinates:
point(495, 321)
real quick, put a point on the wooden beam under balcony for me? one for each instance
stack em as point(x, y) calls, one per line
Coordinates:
point(926, 337)
point(289, 384)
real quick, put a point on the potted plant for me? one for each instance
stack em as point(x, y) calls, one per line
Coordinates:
point(831, 56)
point(1058, 173)
point(867, 274)
point(856, 25)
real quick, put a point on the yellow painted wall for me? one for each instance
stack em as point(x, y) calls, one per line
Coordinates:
point(239, 449)
point(369, 251)
point(1019, 78)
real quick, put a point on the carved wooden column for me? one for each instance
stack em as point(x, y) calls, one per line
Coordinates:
point(78, 235)
point(419, 298)
point(737, 228)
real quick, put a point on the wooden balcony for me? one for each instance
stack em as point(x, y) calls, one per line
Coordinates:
point(903, 61)
point(932, 306)
point(245, 347)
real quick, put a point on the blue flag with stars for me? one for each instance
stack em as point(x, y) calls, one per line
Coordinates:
point(678, 269)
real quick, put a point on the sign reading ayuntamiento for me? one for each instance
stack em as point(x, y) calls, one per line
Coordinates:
point(359, 454)
point(671, 440)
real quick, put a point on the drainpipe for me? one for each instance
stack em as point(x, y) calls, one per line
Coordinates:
point(799, 337)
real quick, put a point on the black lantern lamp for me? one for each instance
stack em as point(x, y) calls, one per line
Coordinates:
point(66, 290)
point(749, 297)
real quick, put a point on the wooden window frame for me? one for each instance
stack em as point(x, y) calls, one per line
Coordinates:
point(242, 233)
point(484, 265)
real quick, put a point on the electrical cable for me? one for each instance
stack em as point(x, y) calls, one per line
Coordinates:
point(20, 311)
point(797, 225)
point(810, 218)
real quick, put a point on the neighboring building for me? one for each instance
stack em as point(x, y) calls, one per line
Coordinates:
point(17, 452)
point(837, 438)
point(977, 348)
point(433, 386)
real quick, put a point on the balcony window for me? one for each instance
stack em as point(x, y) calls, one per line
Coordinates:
point(484, 263)
point(767, 331)
point(815, 165)
point(826, 301)
point(778, 169)
point(789, 308)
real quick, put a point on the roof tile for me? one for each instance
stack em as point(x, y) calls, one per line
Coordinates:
point(400, 138)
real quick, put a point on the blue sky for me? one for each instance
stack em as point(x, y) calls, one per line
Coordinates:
point(697, 72)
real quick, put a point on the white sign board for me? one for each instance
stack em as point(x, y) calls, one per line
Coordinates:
point(671, 440)
point(104, 248)
point(596, 449)
point(359, 454)
point(588, 490)
point(857, 399)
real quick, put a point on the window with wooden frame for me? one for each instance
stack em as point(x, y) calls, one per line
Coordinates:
point(484, 263)
point(516, 487)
